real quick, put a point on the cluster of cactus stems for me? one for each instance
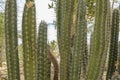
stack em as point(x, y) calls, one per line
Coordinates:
point(11, 40)
point(74, 61)
point(43, 63)
point(113, 53)
point(37, 57)
point(98, 41)
point(76, 57)
point(29, 40)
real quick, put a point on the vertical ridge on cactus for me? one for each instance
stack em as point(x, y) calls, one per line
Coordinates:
point(11, 40)
point(113, 44)
point(29, 40)
point(2, 31)
point(75, 64)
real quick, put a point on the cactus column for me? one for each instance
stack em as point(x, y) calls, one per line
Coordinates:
point(107, 40)
point(79, 56)
point(64, 19)
point(11, 40)
point(119, 57)
point(98, 41)
point(29, 40)
point(113, 53)
point(43, 63)
point(1, 37)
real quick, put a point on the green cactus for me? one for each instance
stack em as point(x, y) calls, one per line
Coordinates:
point(79, 57)
point(84, 45)
point(107, 40)
point(1, 37)
point(11, 40)
point(29, 40)
point(113, 53)
point(64, 18)
point(43, 63)
point(75, 57)
point(119, 57)
point(98, 44)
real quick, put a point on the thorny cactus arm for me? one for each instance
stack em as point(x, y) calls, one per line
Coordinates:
point(113, 53)
point(119, 57)
point(80, 54)
point(107, 39)
point(29, 40)
point(43, 62)
point(64, 16)
point(98, 43)
point(11, 40)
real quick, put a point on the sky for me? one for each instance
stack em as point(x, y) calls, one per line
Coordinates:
point(42, 11)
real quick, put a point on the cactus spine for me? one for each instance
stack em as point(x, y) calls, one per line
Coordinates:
point(11, 40)
point(98, 43)
point(113, 44)
point(43, 64)
point(64, 11)
point(29, 40)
